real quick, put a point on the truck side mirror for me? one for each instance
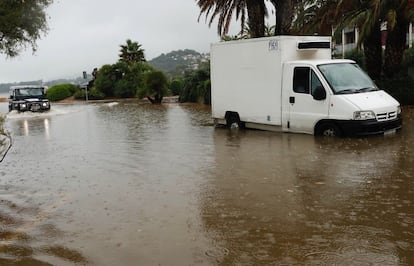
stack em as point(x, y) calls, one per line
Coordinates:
point(319, 93)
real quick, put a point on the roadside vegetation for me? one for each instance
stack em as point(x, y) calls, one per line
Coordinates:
point(388, 61)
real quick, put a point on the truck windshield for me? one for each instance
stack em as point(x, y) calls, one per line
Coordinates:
point(29, 92)
point(347, 78)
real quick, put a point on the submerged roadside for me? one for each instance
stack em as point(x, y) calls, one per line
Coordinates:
point(5, 139)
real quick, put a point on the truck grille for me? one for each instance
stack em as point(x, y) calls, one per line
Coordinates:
point(387, 116)
point(35, 107)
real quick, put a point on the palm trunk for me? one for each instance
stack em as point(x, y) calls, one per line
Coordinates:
point(373, 52)
point(256, 11)
point(284, 16)
point(396, 44)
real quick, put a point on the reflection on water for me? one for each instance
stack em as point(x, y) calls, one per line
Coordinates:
point(137, 184)
point(292, 199)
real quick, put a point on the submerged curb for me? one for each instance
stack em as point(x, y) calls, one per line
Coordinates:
point(5, 144)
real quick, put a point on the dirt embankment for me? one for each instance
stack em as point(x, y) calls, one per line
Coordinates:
point(3, 100)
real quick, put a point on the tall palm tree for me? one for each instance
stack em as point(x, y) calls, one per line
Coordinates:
point(254, 9)
point(284, 10)
point(131, 52)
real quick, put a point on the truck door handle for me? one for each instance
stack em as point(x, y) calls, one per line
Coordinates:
point(292, 100)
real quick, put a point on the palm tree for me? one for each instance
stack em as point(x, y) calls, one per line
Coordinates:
point(367, 15)
point(284, 10)
point(256, 12)
point(131, 52)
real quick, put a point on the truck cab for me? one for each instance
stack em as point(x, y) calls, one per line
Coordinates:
point(28, 98)
point(335, 98)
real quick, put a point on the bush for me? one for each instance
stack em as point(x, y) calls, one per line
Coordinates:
point(358, 56)
point(408, 58)
point(401, 89)
point(176, 86)
point(196, 87)
point(93, 94)
point(60, 92)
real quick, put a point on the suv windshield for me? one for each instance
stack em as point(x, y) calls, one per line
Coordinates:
point(347, 78)
point(29, 92)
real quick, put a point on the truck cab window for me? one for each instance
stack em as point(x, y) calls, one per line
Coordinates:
point(301, 80)
point(305, 80)
point(315, 82)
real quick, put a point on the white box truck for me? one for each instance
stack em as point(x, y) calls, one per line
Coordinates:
point(291, 84)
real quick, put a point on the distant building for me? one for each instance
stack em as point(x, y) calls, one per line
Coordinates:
point(350, 36)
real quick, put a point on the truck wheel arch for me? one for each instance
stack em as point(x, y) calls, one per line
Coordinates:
point(233, 119)
point(328, 128)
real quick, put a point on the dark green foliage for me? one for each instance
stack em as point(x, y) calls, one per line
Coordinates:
point(60, 92)
point(176, 86)
point(155, 88)
point(131, 52)
point(358, 56)
point(21, 24)
point(196, 87)
point(105, 80)
point(408, 59)
point(401, 89)
point(124, 89)
point(121, 79)
point(93, 94)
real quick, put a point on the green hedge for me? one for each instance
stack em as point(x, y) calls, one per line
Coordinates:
point(60, 92)
point(93, 94)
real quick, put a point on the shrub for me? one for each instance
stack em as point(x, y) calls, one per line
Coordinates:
point(93, 94)
point(401, 89)
point(196, 87)
point(358, 56)
point(60, 92)
point(176, 86)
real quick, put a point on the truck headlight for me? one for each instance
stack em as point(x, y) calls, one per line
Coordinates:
point(364, 115)
point(44, 104)
point(23, 105)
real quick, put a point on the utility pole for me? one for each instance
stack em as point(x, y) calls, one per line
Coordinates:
point(85, 77)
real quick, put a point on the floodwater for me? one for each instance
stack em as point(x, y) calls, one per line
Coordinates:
point(134, 184)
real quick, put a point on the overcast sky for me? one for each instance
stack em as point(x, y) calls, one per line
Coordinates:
point(87, 33)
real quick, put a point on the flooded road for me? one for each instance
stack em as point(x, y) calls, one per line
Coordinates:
point(135, 184)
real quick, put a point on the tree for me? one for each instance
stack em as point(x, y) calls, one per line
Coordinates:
point(256, 12)
point(131, 52)
point(121, 80)
point(197, 86)
point(367, 15)
point(156, 85)
point(22, 22)
point(284, 10)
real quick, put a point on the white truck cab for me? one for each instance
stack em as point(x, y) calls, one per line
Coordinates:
point(291, 84)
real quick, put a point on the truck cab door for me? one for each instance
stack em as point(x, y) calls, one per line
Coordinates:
point(305, 99)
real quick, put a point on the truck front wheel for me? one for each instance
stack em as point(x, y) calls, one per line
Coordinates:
point(328, 130)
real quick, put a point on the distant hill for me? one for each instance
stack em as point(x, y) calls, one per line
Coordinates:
point(5, 86)
point(176, 62)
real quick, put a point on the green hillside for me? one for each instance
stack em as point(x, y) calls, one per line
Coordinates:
point(176, 62)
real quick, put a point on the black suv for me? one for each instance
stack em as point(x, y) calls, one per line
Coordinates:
point(28, 98)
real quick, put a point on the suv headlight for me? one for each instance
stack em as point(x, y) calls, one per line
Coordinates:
point(398, 110)
point(23, 105)
point(364, 115)
point(45, 104)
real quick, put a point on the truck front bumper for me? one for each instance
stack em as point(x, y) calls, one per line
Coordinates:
point(369, 127)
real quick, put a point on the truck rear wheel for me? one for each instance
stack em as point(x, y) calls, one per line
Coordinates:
point(328, 130)
point(233, 120)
